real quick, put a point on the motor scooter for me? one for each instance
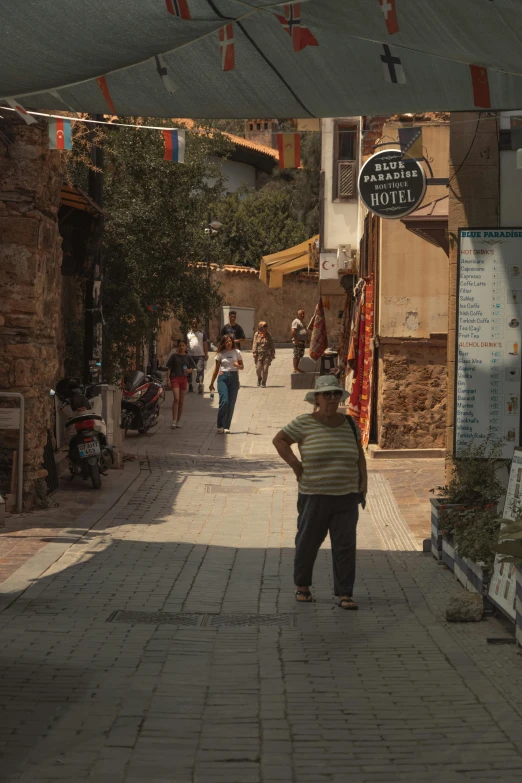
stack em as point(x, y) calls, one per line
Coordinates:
point(140, 401)
point(89, 453)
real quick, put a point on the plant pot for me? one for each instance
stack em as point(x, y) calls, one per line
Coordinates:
point(448, 552)
point(473, 576)
point(437, 506)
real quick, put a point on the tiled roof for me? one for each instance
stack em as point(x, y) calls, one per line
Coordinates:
point(239, 140)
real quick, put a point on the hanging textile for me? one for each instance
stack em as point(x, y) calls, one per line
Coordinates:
point(319, 339)
point(361, 359)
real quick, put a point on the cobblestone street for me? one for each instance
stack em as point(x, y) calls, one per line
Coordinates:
point(235, 682)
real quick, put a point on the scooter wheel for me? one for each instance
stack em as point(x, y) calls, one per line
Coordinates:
point(95, 476)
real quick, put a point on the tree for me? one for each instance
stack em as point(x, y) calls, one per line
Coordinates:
point(154, 238)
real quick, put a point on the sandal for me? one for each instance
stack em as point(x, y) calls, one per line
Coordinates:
point(347, 602)
point(306, 596)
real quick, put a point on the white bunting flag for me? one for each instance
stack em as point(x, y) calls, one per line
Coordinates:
point(19, 109)
point(392, 66)
point(168, 82)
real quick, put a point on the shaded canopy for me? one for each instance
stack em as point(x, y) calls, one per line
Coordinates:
point(54, 50)
point(276, 265)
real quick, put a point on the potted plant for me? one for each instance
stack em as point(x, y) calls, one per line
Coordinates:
point(465, 522)
point(509, 546)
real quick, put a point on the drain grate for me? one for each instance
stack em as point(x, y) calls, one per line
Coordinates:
point(234, 620)
point(202, 620)
point(217, 489)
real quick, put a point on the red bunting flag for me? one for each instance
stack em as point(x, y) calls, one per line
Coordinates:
point(226, 44)
point(289, 145)
point(102, 83)
point(301, 36)
point(480, 81)
point(178, 8)
point(390, 15)
point(19, 109)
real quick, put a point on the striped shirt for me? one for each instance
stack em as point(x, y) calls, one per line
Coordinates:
point(330, 456)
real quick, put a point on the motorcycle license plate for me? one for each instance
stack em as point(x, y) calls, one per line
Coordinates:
point(89, 449)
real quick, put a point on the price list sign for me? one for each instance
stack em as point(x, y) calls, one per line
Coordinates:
point(489, 337)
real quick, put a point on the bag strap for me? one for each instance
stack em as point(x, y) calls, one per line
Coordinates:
point(351, 422)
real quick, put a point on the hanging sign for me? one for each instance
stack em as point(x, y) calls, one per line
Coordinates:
point(489, 337)
point(390, 186)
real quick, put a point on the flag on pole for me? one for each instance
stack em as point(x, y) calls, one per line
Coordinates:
point(392, 66)
point(480, 82)
point(301, 36)
point(289, 145)
point(102, 83)
point(19, 109)
point(410, 140)
point(174, 145)
point(60, 134)
point(168, 82)
point(226, 44)
point(178, 8)
point(390, 15)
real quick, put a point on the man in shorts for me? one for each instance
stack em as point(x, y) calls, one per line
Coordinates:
point(299, 333)
point(198, 343)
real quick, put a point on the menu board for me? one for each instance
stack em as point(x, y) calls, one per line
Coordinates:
point(489, 337)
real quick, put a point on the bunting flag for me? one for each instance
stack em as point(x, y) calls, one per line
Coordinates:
point(19, 109)
point(289, 145)
point(226, 45)
point(168, 82)
point(480, 81)
point(319, 338)
point(178, 8)
point(301, 36)
point(410, 140)
point(393, 70)
point(60, 134)
point(102, 83)
point(390, 15)
point(174, 145)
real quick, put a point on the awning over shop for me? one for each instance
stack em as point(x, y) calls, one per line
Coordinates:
point(327, 58)
point(276, 265)
point(431, 223)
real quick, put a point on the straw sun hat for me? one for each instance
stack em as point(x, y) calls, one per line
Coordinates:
point(326, 383)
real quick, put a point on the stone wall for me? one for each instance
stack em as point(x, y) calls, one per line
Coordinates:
point(412, 381)
point(30, 284)
point(276, 306)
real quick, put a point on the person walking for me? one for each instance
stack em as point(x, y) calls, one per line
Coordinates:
point(299, 333)
point(263, 352)
point(332, 480)
point(228, 362)
point(233, 329)
point(198, 343)
point(180, 365)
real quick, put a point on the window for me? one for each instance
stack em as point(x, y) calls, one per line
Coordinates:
point(258, 126)
point(345, 155)
point(252, 126)
point(266, 125)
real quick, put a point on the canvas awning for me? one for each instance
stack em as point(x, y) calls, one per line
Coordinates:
point(276, 265)
point(101, 57)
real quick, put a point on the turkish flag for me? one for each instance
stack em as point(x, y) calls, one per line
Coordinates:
point(390, 15)
point(480, 81)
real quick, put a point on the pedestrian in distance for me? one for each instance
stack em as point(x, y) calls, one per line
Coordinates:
point(299, 333)
point(263, 352)
point(228, 362)
point(198, 343)
point(233, 329)
point(180, 366)
point(332, 481)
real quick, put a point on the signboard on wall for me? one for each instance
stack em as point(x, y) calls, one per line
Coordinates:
point(489, 344)
point(390, 186)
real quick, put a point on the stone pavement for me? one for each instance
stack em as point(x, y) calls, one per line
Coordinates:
point(165, 643)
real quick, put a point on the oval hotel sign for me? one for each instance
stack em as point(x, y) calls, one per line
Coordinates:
point(390, 186)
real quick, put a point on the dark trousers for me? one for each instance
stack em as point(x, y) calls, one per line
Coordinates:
point(228, 387)
point(317, 516)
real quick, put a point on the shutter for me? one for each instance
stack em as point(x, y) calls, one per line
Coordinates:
point(346, 179)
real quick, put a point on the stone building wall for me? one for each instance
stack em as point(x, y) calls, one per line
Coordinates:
point(30, 284)
point(412, 393)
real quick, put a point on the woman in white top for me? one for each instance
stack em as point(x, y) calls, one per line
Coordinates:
point(228, 362)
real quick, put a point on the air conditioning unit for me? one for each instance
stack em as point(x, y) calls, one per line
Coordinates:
point(346, 179)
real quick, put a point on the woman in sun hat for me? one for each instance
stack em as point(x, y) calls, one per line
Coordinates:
point(332, 480)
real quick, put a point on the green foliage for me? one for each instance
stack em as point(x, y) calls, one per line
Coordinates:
point(475, 533)
point(474, 480)
point(154, 235)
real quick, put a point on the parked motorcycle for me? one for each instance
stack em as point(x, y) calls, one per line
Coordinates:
point(140, 401)
point(89, 453)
